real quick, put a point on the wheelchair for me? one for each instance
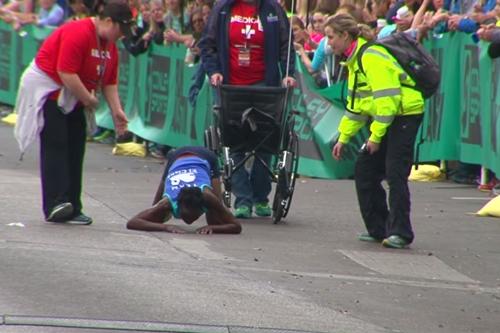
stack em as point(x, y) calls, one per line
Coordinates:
point(255, 120)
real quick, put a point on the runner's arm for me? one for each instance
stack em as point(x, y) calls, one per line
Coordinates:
point(219, 219)
point(152, 219)
point(216, 186)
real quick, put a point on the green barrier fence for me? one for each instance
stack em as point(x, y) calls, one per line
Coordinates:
point(461, 122)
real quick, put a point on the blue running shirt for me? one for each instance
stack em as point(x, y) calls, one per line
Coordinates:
point(188, 171)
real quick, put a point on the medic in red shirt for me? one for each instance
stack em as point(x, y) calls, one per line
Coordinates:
point(57, 96)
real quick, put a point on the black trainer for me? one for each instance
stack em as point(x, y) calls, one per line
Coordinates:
point(60, 213)
point(366, 237)
point(81, 219)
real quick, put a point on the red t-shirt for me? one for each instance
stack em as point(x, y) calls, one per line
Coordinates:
point(245, 30)
point(73, 48)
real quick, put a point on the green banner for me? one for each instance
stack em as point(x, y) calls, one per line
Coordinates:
point(319, 113)
point(8, 64)
point(461, 122)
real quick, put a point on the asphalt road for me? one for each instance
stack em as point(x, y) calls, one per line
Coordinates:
point(309, 274)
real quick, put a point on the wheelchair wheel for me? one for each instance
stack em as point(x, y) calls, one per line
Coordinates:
point(227, 173)
point(279, 201)
point(212, 139)
point(287, 175)
point(226, 198)
point(207, 139)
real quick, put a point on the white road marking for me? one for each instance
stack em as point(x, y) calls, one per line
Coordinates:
point(407, 265)
point(471, 198)
point(474, 287)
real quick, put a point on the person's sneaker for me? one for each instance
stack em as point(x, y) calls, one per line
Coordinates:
point(60, 213)
point(157, 153)
point(395, 242)
point(366, 237)
point(489, 186)
point(262, 209)
point(102, 135)
point(81, 219)
point(243, 212)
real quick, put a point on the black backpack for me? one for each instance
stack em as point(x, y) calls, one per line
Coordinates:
point(413, 58)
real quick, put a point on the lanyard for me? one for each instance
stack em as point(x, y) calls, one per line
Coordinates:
point(102, 59)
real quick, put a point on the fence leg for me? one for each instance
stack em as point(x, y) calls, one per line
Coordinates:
point(443, 168)
point(484, 176)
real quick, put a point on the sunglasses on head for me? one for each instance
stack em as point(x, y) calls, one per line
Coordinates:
point(125, 22)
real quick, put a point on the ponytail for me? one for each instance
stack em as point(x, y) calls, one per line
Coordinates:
point(366, 32)
point(345, 22)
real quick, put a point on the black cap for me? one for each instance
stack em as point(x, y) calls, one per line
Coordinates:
point(119, 11)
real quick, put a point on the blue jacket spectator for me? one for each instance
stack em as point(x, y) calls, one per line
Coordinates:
point(469, 25)
point(50, 14)
point(135, 44)
point(459, 6)
point(215, 38)
point(64, 4)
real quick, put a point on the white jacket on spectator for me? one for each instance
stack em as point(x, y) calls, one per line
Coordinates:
point(34, 88)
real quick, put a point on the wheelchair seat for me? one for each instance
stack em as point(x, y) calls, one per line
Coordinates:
point(251, 117)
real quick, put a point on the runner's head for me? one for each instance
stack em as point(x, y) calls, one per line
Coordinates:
point(191, 204)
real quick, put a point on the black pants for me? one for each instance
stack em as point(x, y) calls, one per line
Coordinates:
point(62, 147)
point(393, 162)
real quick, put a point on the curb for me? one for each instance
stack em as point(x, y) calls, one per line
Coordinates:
point(138, 326)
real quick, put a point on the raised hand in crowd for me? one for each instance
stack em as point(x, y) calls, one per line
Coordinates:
point(298, 47)
point(420, 22)
point(303, 37)
point(453, 22)
point(195, 50)
point(171, 35)
point(440, 16)
point(486, 32)
point(480, 16)
point(303, 55)
point(148, 36)
point(188, 42)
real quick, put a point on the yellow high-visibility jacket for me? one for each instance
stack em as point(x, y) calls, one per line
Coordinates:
point(380, 94)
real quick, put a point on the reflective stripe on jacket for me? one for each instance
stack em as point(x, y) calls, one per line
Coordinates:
point(380, 94)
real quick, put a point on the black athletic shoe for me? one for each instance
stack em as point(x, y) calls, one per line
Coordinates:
point(81, 219)
point(60, 213)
